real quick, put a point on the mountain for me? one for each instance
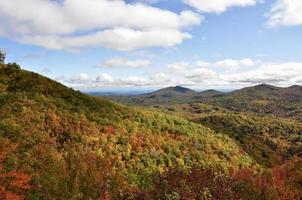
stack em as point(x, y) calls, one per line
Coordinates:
point(295, 88)
point(57, 143)
point(293, 92)
point(269, 92)
point(172, 91)
point(208, 93)
point(253, 116)
point(263, 91)
point(262, 99)
point(165, 96)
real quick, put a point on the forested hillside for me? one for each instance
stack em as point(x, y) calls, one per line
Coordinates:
point(263, 100)
point(268, 140)
point(61, 139)
point(57, 143)
point(264, 120)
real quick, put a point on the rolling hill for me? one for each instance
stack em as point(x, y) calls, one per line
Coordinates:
point(262, 100)
point(67, 145)
point(265, 121)
point(165, 96)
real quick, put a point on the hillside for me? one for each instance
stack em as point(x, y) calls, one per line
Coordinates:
point(270, 140)
point(68, 145)
point(165, 96)
point(264, 120)
point(263, 100)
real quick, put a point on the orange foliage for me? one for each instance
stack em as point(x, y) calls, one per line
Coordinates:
point(13, 185)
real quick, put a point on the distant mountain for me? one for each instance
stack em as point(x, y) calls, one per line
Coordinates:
point(259, 91)
point(209, 93)
point(262, 99)
point(265, 91)
point(293, 92)
point(295, 88)
point(169, 95)
point(170, 91)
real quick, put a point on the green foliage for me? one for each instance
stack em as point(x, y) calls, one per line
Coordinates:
point(79, 147)
point(262, 100)
point(267, 140)
point(11, 132)
point(73, 146)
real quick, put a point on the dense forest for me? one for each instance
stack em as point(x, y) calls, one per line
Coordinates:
point(58, 143)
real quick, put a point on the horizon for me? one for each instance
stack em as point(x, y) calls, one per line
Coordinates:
point(200, 44)
point(136, 91)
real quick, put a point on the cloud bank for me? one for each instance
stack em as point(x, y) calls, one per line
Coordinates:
point(214, 74)
point(124, 63)
point(77, 24)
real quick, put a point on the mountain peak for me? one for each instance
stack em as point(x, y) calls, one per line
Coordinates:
point(174, 90)
point(266, 86)
point(181, 89)
point(299, 87)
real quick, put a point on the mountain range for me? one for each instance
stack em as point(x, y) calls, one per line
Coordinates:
point(177, 94)
point(260, 99)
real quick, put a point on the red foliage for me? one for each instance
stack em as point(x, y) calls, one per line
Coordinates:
point(13, 184)
point(210, 184)
point(274, 184)
point(109, 129)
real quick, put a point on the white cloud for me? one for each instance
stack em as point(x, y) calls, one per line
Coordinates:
point(76, 24)
point(199, 75)
point(79, 79)
point(178, 67)
point(134, 81)
point(285, 13)
point(218, 6)
point(270, 73)
point(104, 79)
point(228, 64)
point(122, 39)
point(124, 63)
point(281, 74)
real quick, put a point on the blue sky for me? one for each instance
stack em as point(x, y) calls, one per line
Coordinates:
point(116, 44)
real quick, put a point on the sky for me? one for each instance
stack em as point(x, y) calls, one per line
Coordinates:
point(104, 45)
